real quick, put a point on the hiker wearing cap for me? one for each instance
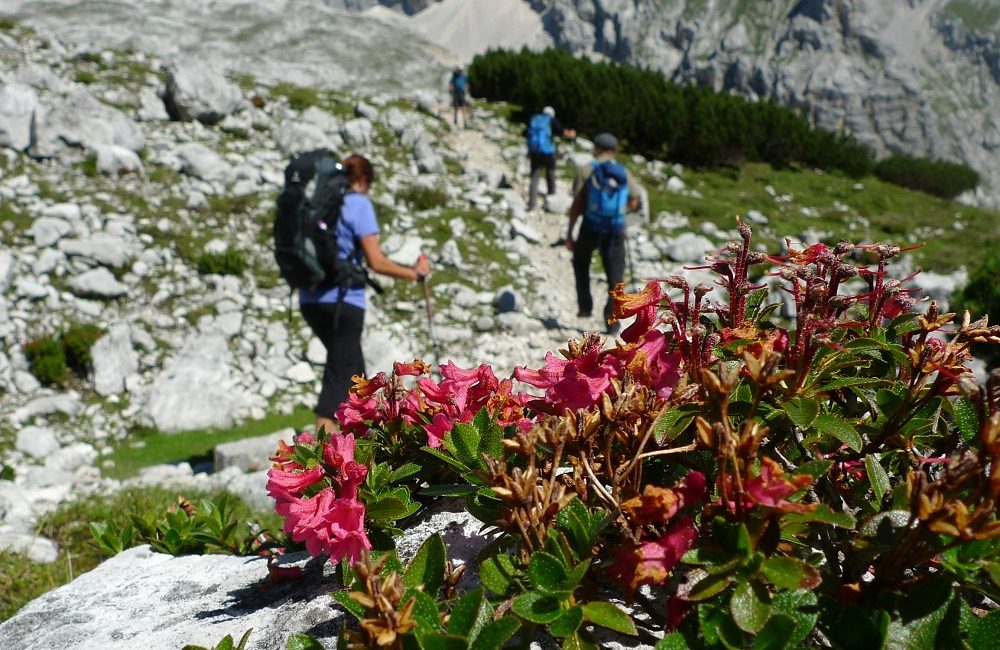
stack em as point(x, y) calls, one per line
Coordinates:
point(540, 132)
point(337, 315)
point(459, 88)
point(602, 196)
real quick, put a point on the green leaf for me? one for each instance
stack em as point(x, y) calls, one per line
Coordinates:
point(567, 623)
point(490, 435)
point(427, 567)
point(7, 473)
point(709, 586)
point(672, 424)
point(776, 634)
point(303, 642)
point(993, 570)
point(577, 574)
point(548, 574)
point(386, 510)
point(469, 614)
point(484, 506)
point(454, 490)
point(496, 634)
point(610, 616)
point(985, 632)
point(579, 641)
point(749, 608)
point(536, 608)
point(966, 418)
point(800, 606)
point(814, 468)
point(877, 477)
point(790, 573)
point(431, 640)
point(463, 442)
point(824, 515)
point(840, 429)
point(425, 611)
point(802, 411)
point(404, 471)
point(348, 603)
point(847, 382)
point(448, 458)
point(673, 641)
point(496, 573)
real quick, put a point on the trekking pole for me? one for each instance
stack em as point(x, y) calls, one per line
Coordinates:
point(430, 321)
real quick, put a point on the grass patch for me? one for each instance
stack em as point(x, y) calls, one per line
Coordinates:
point(6, 24)
point(192, 446)
point(421, 197)
point(830, 204)
point(299, 97)
point(69, 527)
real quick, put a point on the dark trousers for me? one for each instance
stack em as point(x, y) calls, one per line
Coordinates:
point(540, 162)
point(611, 246)
point(340, 334)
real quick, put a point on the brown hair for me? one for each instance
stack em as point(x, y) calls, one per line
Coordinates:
point(358, 168)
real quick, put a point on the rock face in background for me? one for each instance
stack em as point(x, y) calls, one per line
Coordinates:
point(917, 77)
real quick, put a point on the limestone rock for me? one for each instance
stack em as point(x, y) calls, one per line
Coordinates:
point(81, 120)
point(250, 454)
point(37, 442)
point(114, 359)
point(18, 103)
point(196, 389)
point(201, 162)
point(97, 282)
point(101, 248)
point(197, 90)
point(689, 247)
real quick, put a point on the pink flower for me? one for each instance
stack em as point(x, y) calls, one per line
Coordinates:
point(574, 383)
point(282, 485)
point(651, 562)
point(350, 546)
point(439, 426)
point(770, 489)
point(653, 363)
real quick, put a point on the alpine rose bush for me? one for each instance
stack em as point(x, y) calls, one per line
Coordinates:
point(824, 478)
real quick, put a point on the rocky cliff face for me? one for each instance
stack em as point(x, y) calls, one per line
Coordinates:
point(917, 76)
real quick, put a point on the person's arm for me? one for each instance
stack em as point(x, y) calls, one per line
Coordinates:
point(575, 210)
point(381, 264)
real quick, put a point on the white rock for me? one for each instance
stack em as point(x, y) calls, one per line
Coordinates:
point(35, 548)
point(250, 454)
point(198, 90)
point(25, 287)
point(201, 162)
point(81, 120)
point(675, 184)
point(301, 373)
point(18, 103)
point(97, 282)
point(316, 352)
point(114, 359)
point(689, 247)
point(151, 107)
point(297, 137)
point(48, 230)
point(6, 269)
point(757, 217)
point(114, 160)
point(101, 248)
point(37, 442)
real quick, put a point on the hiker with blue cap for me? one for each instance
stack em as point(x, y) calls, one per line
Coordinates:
point(541, 133)
point(602, 196)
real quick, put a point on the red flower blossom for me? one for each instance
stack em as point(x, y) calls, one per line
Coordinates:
point(651, 562)
point(658, 504)
point(770, 489)
point(283, 486)
point(575, 383)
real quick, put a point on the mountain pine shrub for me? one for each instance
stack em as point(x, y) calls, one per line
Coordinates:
point(230, 262)
point(937, 177)
point(47, 360)
point(77, 340)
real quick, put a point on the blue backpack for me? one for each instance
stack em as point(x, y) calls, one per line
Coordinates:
point(540, 135)
point(459, 81)
point(607, 197)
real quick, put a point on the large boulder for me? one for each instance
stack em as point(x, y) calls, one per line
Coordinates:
point(114, 360)
point(17, 110)
point(82, 121)
point(193, 599)
point(196, 389)
point(196, 91)
point(98, 282)
point(201, 162)
point(101, 248)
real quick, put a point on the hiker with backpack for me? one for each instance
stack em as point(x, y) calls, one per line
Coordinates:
point(458, 86)
point(540, 133)
point(603, 194)
point(325, 226)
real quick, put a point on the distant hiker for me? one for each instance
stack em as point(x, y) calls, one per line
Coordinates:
point(603, 196)
point(336, 315)
point(540, 132)
point(459, 88)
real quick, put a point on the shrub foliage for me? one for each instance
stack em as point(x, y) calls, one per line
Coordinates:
point(230, 262)
point(937, 177)
point(657, 118)
point(47, 360)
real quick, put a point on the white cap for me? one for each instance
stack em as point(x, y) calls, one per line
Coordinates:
point(548, 110)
